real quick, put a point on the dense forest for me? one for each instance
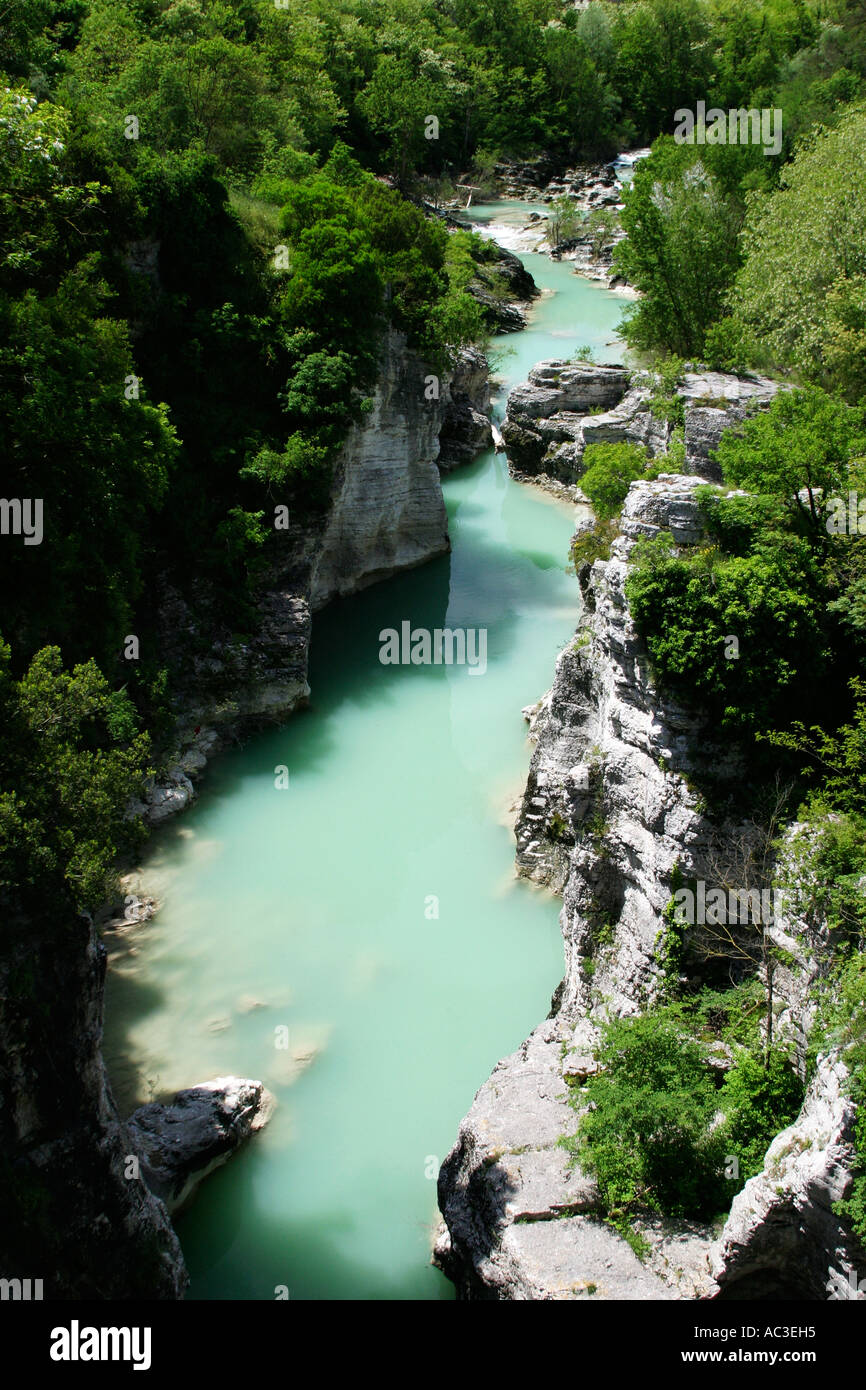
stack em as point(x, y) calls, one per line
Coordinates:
point(238, 146)
point(212, 211)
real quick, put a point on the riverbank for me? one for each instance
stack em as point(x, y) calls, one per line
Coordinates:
point(591, 188)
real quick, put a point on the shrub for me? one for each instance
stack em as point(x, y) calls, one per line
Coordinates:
point(602, 224)
point(842, 1023)
point(593, 545)
point(658, 1134)
point(609, 470)
point(802, 450)
point(647, 1138)
point(760, 1097)
point(687, 606)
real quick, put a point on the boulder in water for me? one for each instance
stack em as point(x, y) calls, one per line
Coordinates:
point(181, 1142)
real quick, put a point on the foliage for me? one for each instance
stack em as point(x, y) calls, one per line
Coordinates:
point(688, 606)
point(669, 945)
point(732, 1015)
point(828, 852)
point(563, 220)
point(601, 225)
point(733, 522)
point(760, 1097)
point(801, 286)
point(664, 401)
point(647, 1137)
point(807, 442)
point(839, 758)
point(657, 1133)
point(100, 464)
point(609, 470)
point(72, 757)
point(842, 1024)
point(594, 544)
point(662, 60)
point(255, 86)
point(681, 250)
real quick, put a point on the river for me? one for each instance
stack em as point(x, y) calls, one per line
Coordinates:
point(368, 913)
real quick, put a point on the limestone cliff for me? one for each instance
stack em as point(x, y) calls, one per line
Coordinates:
point(387, 512)
point(782, 1232)
point(609, 812)
point(563, 407)
point(466, 426)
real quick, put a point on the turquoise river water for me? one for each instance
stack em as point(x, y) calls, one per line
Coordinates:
point(368, 915)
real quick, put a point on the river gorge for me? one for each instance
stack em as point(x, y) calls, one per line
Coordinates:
point(352, 931)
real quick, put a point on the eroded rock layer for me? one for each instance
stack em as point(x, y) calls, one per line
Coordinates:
point(563, 407)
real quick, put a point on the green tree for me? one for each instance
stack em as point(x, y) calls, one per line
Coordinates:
point(760, 1097)
point(801, 287)
point(602, 224)
point(98, 459)
point(681, 250)
point(397, 102)
point(662, 60)
point(647, 1137)
point(563, 220)
point(72, 757)
point(43, 207)
point(839, 758)
point(609, 470)
point(688, 606)
point(802, 449)
point(594, 30)
point(746, 51)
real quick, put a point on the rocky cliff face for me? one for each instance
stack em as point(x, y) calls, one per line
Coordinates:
point(549, 423)
point(225, 684)
point(782, 1232)
point(73, 1215)
point(503, 288)
point(608, 809)
point(608, 813)
point(542, 179)
point(388, 512)
point(466, 425)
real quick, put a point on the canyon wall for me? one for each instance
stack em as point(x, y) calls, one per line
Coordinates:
point(387, 513)
point(75, 1215)
point(610, 812)
point(72, 1215)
